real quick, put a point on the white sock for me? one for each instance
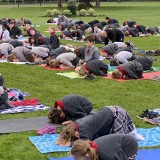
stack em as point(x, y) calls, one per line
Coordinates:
point(137, 136)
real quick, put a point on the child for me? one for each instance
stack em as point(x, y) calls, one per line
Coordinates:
point(77, 34)
point(80, 52)
point(145, 62)
point(128, 70)
point(14, 31)
point(107, 120)
point(91, 51)
point(96, 29)
point(3, 96)
point(121, 57)
point(109, 147)
point(5, 49)
point(4, 33)
point(68, 60)
point(96, 67)
point(54, 40)
point(70, 107)
point(111, 21)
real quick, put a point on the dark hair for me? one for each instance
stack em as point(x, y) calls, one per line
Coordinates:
point(107, 18)
point(29, 57)
point(5, 25)
point(89, 38)
point(114, 62)
point(54, 116)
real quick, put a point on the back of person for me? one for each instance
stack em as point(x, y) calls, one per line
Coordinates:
point(97, 124)
point(91, 53)
point(116, 147)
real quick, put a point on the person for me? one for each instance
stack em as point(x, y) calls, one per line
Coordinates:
point(54, 40)
point(25, 21)
point(111, 21)
point(96, 29)
point(121, 57)
point(128, 70)
point(115, 35)
point(96, 67)
point(109, 147)
point(4, 33)
point(99, 37)
point(145, 61)
point(107, 120)
point(91, 52)
point(66, 34)
point(141, 29)
point(129, 23)
point(27, 30)
point(131, 32)
point(80, 52)
point(64, 60)
point(5, 49)
point(14, 31)
point(70, 107)
point(77, 34)
point(3, 96)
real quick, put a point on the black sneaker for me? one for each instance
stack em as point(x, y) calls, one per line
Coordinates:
point(144, 114)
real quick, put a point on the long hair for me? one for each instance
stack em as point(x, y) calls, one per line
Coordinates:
point(82, 148)
point(67, 134)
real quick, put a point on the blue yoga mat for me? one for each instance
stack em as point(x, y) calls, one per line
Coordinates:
point(63, 158)
point(46, 143)
point(152, 154)
point(151, 135)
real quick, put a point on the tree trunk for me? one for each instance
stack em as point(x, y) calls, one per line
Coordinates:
point(97, 3)
point(59, 3)
point(87, 2)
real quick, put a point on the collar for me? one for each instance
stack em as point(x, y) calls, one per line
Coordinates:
point(121, 70)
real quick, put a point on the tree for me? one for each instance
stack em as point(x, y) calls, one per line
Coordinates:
point(59, 3)
point(87, 2)
point(97, 3)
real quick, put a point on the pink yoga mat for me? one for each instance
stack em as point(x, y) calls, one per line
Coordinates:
point(147, 75)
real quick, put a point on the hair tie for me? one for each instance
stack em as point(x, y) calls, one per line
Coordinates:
point(93, 145)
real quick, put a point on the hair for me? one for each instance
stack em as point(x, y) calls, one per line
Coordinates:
point(67, 134)
point(77, 51)
point(157, 52)
point(89, 38)
point(114, 62)
point(80, 71)
point(124, 23)
point(126, 33)
point(10, 57)
point(107, 18)
point(54, 116)
point(116, 74)
point(81, 148)
point(53, 63)
point(73, 28)
point(29, 57)
point(4, 25)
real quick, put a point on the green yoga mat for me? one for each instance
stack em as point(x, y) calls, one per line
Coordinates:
point(154, 69)
point(71, 75)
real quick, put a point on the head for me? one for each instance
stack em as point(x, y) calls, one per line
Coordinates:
point(4, 27)
point(95, 27)
point(32, 31)
point(117, 74)
point(11, 25)
point(127, 34)
point(89, 41)
point(27, 27)
point(107, 19)
point(88, 30)
point(51, 30)
point(68, 134)
point(104, 34)
point(60, 27)
point(73, 28)
point(29, 57)
point(81, 71)
point(10, 57)
point(53, 63)
point(114, 62)
point(56, 116)
point(84, 150)
point(77, 51)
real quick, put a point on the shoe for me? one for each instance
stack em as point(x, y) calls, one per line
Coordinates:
point(144, 114)
point(46, 130)
point(89, 77)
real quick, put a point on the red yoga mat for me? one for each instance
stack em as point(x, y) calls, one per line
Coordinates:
point(55, 69)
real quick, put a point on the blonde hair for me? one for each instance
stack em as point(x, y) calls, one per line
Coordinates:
point(80, 71)
point(67, 134)
point(81, 148)
point(53, 63)
point(10, 57)
point(116, 74)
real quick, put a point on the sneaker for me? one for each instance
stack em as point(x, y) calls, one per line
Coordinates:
point(144, 114)
point(46, 130)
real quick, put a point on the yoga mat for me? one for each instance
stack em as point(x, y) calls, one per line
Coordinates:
point(71, 75)
point(61, 158)
point(55, 69)
point(151, 135)
point(46, 143)
point(19, 125)
point(151, 154)
point(146, 75)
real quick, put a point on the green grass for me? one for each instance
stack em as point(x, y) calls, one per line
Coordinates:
point(46, 86)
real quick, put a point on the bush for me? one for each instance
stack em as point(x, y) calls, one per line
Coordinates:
point(55, 12)
point(81, 5)
point(49, 13)
point(67, 12)
point(82, 12)
point(71, 5)
point(91, 12)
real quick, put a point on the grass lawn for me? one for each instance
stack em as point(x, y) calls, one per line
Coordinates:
point(46, 86)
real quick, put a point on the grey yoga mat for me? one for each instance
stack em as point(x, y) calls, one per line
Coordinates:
point(19, 125)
